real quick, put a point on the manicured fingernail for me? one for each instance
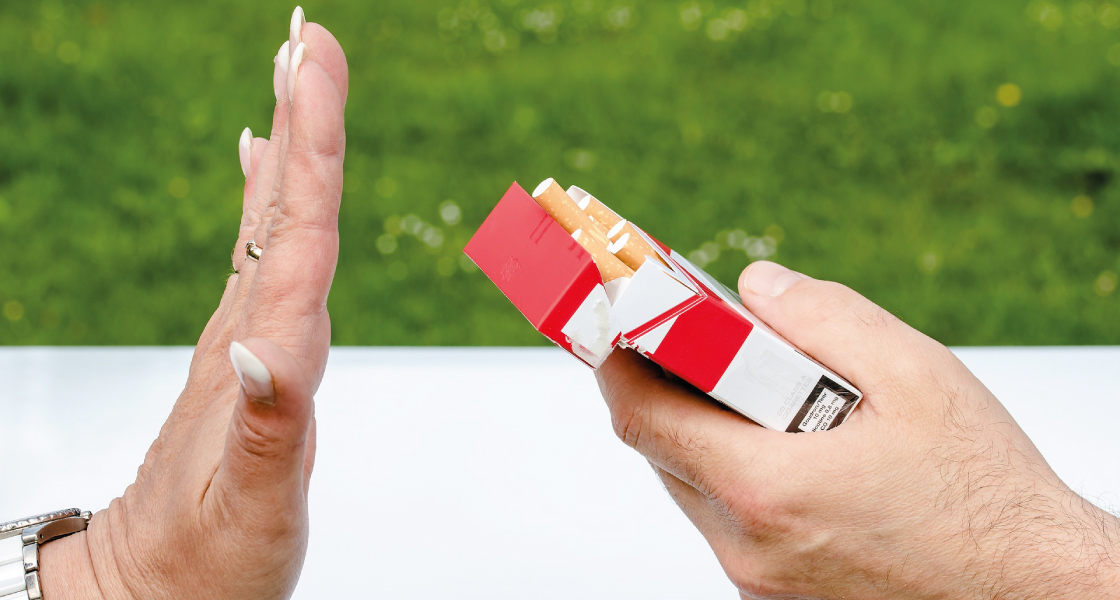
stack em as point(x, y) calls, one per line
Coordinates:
point(245, 150)
point(295, 32)
point(298, 55)
point(254, 376)
point(280, 73)
point(765, 278)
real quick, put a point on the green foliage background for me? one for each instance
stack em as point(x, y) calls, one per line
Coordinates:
point(864, 141)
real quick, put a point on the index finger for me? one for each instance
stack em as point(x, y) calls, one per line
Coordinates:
point(300, 240)
point(322, 45)
point(676, 427)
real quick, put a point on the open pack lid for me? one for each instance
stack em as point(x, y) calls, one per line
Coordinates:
point(547, 275)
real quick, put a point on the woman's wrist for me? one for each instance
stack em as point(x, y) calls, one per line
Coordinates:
point(66, 570)
point(81, 566)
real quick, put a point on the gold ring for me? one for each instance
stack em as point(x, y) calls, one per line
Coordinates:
point(253, 251)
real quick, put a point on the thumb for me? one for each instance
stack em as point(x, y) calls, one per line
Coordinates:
point(267, 444)
point(846, 332)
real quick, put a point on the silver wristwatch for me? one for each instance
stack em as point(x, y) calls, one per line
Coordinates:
point(19, 550)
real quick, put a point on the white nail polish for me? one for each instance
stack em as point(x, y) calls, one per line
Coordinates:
point(254, 376)
point(245, 151)
point(298, 55)
point(295, 31)
point(280, 74)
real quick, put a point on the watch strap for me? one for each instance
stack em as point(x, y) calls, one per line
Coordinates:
point(19, 550)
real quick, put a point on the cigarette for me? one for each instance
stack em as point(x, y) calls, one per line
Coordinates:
point(600, 213)
point(603, 216)
point(595, 209)
point(610, 267)
point(616, 230)
point(579, 195)
point(566, 212)
point(631, 248)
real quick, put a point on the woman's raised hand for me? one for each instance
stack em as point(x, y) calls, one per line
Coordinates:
point(219, 507)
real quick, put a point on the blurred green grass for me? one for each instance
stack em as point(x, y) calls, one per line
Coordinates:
point(866, 142)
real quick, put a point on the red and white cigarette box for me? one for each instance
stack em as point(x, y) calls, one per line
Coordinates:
point(679, 317)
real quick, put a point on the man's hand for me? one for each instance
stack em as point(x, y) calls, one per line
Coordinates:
point(930, 490)
point(219, 508)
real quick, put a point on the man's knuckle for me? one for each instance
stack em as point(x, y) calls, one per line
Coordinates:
point(752, 581)
point(689, 451)
point(628, 422)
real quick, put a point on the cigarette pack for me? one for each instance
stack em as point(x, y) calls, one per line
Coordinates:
point(669, 310)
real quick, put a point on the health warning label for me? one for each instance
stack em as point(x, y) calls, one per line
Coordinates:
point(823, 412)
point(826, 407)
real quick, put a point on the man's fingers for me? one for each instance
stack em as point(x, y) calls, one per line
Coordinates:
point(835, 325)
point(677, 428)
point(263, 466)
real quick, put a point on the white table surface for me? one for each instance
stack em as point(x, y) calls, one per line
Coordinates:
point(500, 478)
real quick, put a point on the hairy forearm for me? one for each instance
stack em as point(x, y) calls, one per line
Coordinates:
point(1054, 547)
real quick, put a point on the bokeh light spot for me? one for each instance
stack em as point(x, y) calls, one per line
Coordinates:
point(387, 243)
point(1109, 16)
point(691, 16)
point(69, 53)
point(581, 160)
point(386, 187)
point(1114, 55)
point(834, 102)
point(1047, 14)
point(1009, 95)
point(718, 30)
point(929, 262)
point(52, 9)
point(691, 134)
point(776, 233)
point(1105, 284)
point(1082, 206)
point(431, 236)
point(178, 187)
point(1083, 13)
point(987, 117)
point(446, 266)
point(42, 42)
point(450, 212)
point(13, 311)
point(618, 17)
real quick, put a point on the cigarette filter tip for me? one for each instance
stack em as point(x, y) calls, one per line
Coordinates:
point(580, 195)
point(543, 187)
point(633, 250)
point(619, 244)
point(617, 229)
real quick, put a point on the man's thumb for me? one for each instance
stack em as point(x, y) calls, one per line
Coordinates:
point(846, 332)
